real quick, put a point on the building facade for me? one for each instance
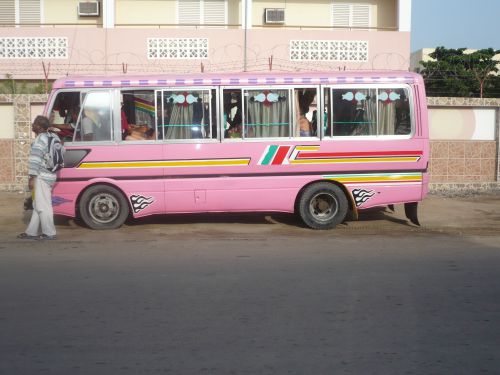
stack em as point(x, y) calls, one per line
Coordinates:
point(47, 39)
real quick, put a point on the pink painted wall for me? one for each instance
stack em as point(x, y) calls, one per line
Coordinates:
point(102, 51)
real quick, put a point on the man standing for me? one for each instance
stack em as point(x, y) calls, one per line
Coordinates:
point(41, 182)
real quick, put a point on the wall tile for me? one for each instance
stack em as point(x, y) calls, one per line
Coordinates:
point(456, 167)
point(488, 167)
point(456, 150)
point(472, 149)
point(439, 167)
point(6, 170)
point(472, 167)
point(6, 149)
point(439, 149)
point(488, 149)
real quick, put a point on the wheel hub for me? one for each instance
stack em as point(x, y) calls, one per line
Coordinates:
point(104, 208)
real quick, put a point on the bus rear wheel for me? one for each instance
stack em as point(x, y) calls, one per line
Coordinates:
point(323, 205)
point(103, 207)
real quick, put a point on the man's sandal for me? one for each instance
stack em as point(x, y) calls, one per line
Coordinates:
point(44, 237)
point(25, 236)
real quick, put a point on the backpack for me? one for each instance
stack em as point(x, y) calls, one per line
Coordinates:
point(55, 155)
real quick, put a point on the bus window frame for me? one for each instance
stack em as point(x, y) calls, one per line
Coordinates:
point(292, 111)
point(83, 91)
point(161, 90)
point(412, 104)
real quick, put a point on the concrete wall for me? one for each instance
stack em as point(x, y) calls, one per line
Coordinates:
point(107, 51)
point(464, 142)
point(15, 127)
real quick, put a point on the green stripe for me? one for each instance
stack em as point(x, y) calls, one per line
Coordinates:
point(372, 174)
point(270, 154)
point(270, 124)
point(182, 125)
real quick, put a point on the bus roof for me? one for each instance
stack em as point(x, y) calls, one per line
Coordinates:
point(238, 79)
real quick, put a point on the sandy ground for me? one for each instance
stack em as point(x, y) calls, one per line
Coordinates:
point(477, 214)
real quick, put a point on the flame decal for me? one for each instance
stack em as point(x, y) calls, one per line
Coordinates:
point(361, 196)
point(139, 202)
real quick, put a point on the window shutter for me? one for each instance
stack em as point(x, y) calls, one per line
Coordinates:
point(7, 11)
point(214, 12)
point(351, 15)
point(29, 11)
point(341, 15)
point(361, 15)
point(189, 11)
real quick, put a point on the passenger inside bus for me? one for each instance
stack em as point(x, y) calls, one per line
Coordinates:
point(232, 114)
point(64, 115)
point(137, 115)
point(304, 99)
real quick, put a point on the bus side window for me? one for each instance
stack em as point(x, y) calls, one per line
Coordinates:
point(306, 122)
point(186, 114)
point(232, 115)
point(138, 115)
point(267, 113)
point(95, 122)
point(394, 112)
point(354, 112)
point(64, 114)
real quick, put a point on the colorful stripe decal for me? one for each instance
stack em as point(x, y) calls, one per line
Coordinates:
point(167, 163)
point(277, 155)
point(354, 160)
point(280, 155)
point(375, 178)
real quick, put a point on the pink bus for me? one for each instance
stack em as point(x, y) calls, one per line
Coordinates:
point(317, 144)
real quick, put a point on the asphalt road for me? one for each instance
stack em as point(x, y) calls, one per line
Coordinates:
point(256, 294)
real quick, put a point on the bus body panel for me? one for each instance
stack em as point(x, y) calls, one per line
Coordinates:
point(253, 174)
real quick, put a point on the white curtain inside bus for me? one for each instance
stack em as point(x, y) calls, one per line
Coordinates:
point(267, 113)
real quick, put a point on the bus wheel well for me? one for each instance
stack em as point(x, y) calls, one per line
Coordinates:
point(103, 205)
point(100, 183)
point(347, 193)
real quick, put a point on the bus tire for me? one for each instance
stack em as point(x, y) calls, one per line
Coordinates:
point(323, 205)
point(103, 207)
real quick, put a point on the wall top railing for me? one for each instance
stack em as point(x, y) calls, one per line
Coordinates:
point(435, 101)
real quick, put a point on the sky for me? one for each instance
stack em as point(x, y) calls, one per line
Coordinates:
point(471, 24)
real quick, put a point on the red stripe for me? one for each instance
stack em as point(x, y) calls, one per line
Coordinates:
point(280, 155)
point(350, 154)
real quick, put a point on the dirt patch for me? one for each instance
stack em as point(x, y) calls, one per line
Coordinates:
point(470, 214)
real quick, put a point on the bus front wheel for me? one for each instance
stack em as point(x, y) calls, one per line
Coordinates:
point(323, 205)
point(103, 207)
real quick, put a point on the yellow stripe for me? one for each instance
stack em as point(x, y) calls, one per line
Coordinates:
point(355, 160)
point(166, 163)
point(306, 148)
point(392, 178)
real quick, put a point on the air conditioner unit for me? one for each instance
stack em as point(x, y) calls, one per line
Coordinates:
point(88, 8)
point(274, 15)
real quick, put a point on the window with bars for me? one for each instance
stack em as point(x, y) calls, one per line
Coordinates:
point(26, 12)
point(351, 15)
point(202, 12)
